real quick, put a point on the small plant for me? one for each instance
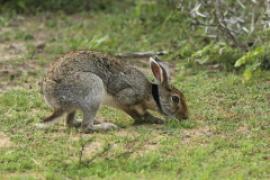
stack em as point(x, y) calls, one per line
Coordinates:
point(217, 53)
point(253, 61)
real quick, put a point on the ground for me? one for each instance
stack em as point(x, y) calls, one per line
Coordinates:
point(226, 136)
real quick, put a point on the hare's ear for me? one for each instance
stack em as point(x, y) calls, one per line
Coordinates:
point(159, 72)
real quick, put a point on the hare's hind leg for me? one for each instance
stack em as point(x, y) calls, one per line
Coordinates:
point(50, 119)
point(71, 121)
point(46, 122)
point(91, 101)
point(88, 125)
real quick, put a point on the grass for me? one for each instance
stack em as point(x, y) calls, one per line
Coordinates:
point(226, 136)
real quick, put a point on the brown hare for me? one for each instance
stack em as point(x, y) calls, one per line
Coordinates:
point(85, 80)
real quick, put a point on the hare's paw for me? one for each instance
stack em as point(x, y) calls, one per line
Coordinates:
point(100, 127)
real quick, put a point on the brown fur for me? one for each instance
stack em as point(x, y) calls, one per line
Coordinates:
point(84, 80)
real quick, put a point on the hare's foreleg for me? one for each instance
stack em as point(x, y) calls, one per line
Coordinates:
point(149, 118)
point(145, 118)
point(128, 98)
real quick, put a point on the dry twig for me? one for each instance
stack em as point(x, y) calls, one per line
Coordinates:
point(224, 28)
point(141, 54)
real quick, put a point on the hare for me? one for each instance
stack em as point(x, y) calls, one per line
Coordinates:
point(85, 80)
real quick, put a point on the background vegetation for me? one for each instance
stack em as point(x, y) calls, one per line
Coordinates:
point(220, 59)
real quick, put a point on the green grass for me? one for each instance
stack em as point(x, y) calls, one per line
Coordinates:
point(226, 136)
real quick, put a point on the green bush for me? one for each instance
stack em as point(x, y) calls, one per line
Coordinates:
point(254, 60)
point(217, 53)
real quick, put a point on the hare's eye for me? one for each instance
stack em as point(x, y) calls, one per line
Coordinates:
point(175, 99)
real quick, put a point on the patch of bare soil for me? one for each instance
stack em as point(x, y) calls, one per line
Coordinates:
point(92, 148)
point(11, 51)
point(127, 133)
point(22, 175)
point(9, 72)
point(139, 145)
point(10, 75)
point(135, 145)
point(243, 130)
point(149, 146)
point(190, 134)
point(5, 141)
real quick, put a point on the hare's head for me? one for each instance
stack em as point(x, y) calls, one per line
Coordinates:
point(170, 100)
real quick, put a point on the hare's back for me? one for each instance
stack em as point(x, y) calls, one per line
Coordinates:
point(117, 76)
point(84, 61)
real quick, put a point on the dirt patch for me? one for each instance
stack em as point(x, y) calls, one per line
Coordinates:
point(92, 149)
point(140, 145)
point(188, 135)
point(14, 75)
point(5, 141)
point(12, 51)
point(243, 130)
point(21, 175)
point(150, 146)
point(127, 133)
point(7, 70)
